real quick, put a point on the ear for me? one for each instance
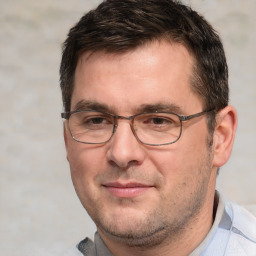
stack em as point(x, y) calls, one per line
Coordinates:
point(224, 135)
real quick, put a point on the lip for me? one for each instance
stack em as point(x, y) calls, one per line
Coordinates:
point(126, 190)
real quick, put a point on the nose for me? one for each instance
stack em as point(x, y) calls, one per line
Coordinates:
point(124, 148)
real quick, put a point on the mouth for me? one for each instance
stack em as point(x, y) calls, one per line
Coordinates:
point(126, 190)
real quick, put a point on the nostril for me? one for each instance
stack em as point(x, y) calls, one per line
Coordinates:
point(133, 162)
point(124, 165)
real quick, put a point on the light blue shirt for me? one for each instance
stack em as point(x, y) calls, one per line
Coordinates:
point(233, 233)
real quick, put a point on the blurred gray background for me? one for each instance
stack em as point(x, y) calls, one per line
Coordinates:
point(40, 213)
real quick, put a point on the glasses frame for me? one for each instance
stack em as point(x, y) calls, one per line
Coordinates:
point(182, 118)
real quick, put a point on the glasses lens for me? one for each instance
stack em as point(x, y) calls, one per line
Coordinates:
point(157, 128)
point(91, 127)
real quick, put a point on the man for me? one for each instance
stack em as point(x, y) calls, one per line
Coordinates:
point(147, 127)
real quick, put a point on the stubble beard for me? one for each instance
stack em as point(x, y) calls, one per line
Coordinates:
point(158, 227)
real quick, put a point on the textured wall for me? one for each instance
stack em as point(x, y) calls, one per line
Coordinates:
point(39, 209)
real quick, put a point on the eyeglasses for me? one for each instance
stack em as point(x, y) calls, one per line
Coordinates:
point(154, 129)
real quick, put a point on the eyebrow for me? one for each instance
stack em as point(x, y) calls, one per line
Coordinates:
point(158, 107)
point(91, 105)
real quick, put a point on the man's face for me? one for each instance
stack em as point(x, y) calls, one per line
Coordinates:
point(134, 192)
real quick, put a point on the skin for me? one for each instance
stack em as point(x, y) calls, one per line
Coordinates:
point(168, 207)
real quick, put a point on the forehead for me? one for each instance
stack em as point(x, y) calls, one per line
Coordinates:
point(156, 73)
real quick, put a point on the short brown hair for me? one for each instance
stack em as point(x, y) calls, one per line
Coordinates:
point(120, 26)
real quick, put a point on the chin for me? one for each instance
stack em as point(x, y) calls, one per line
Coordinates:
point(136, 235)
point(133, 227)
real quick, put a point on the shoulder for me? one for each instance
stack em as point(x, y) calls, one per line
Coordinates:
point(243, 230)
point(87, 247)
point(242, 219)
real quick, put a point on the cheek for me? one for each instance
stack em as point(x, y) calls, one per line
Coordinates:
point(86, 162)
point(194, 145)
point(85, 158)
point(181, 163)
point(169, 160)
point(167, 163)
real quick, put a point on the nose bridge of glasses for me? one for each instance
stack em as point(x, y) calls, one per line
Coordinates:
point(125, 117)
point(128, 118)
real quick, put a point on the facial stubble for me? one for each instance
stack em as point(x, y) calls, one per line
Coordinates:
point(159, 225)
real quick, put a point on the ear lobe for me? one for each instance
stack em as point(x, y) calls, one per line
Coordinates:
point(224, 135)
